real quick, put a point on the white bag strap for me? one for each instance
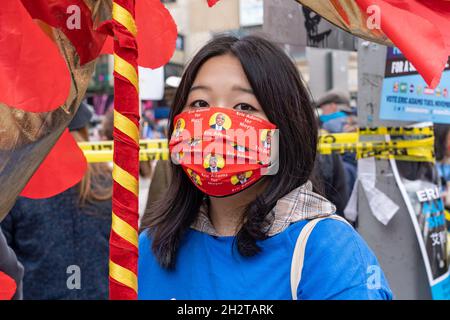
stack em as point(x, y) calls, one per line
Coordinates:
point(299, 251)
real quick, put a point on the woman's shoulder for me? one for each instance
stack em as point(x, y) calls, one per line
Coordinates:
point(326, 232)
point(340, 265)
point(336, 240)
point(146, 258)
point(144, 238)
point(146, 255)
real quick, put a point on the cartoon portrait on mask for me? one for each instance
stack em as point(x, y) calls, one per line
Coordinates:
point(241, 178)
point(179, 127)
point(220, 122)
point(213, 163)
point(195, 177)
point(266, 139)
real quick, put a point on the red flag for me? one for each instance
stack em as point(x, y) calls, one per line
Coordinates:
point(74, 19)
point(63, 168)
point(157, 34)
point(33, 75)
point(420, 29)
point(7, 287)
point(212, 2)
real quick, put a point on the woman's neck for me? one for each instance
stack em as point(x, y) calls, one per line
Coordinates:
point(226, 213)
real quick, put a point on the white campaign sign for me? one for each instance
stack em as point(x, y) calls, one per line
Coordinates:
point(151, 83)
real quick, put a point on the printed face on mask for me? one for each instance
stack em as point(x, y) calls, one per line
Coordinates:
point(223, 161)
point(221, 81)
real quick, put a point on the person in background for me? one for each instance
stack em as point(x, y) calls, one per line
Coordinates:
point(146, 170)
point(337, 116)
point(107, 126)
point(62, 241)
point(158, 187)
point(442, 154)
point(330, 180)
point(335, 111)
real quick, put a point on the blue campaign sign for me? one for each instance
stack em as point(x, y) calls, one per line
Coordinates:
point(427, 212)
point(406, 96)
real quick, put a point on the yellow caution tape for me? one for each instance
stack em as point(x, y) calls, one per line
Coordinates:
point(108, 145)
point(338, 138)
point(397, 131)
point(408, 145)
point(447, 215)
point(102, 151)
point(408, 150)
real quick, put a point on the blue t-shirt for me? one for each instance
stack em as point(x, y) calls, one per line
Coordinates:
point(338, 265)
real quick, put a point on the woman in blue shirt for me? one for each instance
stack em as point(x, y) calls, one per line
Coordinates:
point(212, 238)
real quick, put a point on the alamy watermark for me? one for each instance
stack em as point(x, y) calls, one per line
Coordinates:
point(373, 17)
point(373, 277)
point(74, 280)
point(73, 22)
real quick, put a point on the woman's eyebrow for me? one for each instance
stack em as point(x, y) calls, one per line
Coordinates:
point(239, 88)
point(200, 87)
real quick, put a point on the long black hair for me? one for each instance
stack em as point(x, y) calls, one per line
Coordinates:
point(286, 102)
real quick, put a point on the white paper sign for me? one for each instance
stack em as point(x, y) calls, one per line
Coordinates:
point(382, 207)
point(151, 83)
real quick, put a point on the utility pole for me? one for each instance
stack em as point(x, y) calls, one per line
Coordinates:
point(396, 244)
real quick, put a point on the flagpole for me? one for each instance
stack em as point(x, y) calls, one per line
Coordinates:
point(124, 235)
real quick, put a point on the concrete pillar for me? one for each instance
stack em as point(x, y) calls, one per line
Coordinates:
point(396, 244)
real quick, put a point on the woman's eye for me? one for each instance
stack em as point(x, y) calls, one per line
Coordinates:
point(244, 107)
point(199, 104)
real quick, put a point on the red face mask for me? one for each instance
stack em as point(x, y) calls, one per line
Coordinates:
point(223, 151)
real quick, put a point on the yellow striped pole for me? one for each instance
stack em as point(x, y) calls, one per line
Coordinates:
point(124, 236)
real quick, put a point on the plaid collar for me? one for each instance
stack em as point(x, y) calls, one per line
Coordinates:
point(299, 204)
